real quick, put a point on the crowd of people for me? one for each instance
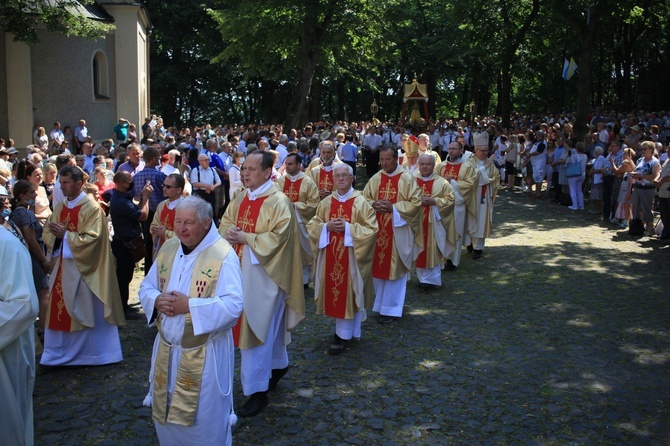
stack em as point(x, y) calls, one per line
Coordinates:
point(233, 223)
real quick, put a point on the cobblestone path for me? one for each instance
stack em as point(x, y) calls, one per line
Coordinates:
point(560, 335)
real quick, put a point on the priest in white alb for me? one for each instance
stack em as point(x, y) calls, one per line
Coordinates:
point(343, 233)
point(396, 199)
point(261, 224)
point(18, 310)
point(303, 193)
point(193, 294)
point(437, 201)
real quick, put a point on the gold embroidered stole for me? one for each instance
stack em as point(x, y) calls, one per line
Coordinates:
point(193, 348)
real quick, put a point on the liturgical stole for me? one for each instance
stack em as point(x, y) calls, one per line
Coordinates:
point(337, 262)
point(58, 317)
point(325, 180)
point(193, 348)
point(388, 190)
point(426, 190)
point(292, 189)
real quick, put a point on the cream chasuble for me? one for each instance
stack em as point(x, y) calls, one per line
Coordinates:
point(304, 195)
point(400, 237)
point(357, 243)
point(271, 259)
point(487, 190)
point(436, 221)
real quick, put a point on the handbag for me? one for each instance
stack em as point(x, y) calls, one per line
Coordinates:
point(136, 248)
point(573, 169)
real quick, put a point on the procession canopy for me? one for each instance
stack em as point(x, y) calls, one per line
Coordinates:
point(415, 92)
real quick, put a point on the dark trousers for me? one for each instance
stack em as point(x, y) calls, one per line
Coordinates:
point(148, 242)
point(372, 166)
point(664, 210)
point(125, 268)
point(556, 186)
point(608, 188)
point(353, 166)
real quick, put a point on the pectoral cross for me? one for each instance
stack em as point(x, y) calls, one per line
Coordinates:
point(246, 223)
point(387, 193)
point(187, 383)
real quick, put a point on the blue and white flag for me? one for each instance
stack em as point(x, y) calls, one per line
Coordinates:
point(569, 68)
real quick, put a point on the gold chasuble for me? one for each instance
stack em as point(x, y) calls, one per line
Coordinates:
point(343, 279)
point(396, 248)
point(272, 237)
point(465, 174)
point(88, 238)
point(487, 192)
point(164, 216)
point(435, 238)
point(304, 195)
point(193, 348)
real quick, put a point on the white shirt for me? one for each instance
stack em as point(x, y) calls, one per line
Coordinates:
point(204, 176)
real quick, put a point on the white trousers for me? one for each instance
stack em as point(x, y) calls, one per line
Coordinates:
point(390, 296)
point(258, 362)
point(478, 243)
point(431, 276)
point(349, 328)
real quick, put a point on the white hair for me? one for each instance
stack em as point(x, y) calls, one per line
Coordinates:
point(341, 166)
point(202, 208)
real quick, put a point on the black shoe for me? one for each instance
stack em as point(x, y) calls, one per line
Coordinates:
point(338, 346)
point(385, 319)
point(277, 374)
point(469, 249)
point(254, 405)
point(477, 254)
point(306, 286)
point(450, 266)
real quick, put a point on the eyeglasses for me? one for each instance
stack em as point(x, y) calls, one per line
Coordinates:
point(167, 186)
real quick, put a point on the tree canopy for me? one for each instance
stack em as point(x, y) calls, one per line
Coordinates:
point(293, 61)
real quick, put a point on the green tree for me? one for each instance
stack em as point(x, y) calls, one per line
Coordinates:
point(22, 18)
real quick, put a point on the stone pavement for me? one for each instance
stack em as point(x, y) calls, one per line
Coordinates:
point(558, 336)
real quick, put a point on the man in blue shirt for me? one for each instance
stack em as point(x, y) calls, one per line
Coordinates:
point(150, 175)
point(121, 130)
point(126, 219)
point(348, 153)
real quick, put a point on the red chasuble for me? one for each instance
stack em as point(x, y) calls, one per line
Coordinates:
point(451, 171)
point(388, 190)
point(326, 180)
point(426, 190)
point(247, 216)
point(167, 220)
point(337, 262)
point(59, 319)
point(292, 189)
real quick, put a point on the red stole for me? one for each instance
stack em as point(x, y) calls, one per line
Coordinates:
point(337, 262)
point(292, 189)
point(388, 190)
point(59, 319)
point(326, 180)
point(167, 220)
point(426, 190)
point(247, 216)
point(451, 171)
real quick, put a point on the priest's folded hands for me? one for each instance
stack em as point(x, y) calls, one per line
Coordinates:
point(172, 303)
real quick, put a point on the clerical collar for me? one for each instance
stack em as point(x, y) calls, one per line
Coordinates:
point(397, 168)
point(173, 204)
point(253, 194)
point(327, 168)
point(426, 178)
point(73, 203)
point(293, 177)
point(186, 249)
point(453, 161)
point(344, 197)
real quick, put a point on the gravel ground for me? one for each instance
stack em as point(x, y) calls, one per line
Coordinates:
point(557, 336)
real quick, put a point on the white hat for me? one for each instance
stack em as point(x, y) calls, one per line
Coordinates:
point(482, 139)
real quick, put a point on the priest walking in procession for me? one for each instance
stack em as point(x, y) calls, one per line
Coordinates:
point(343, 236)
point(396, 200)
point(261, 224)
point(303, 193)
point(437, 201)
point(193, 295)
point(487, 189)
point(84, 309)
